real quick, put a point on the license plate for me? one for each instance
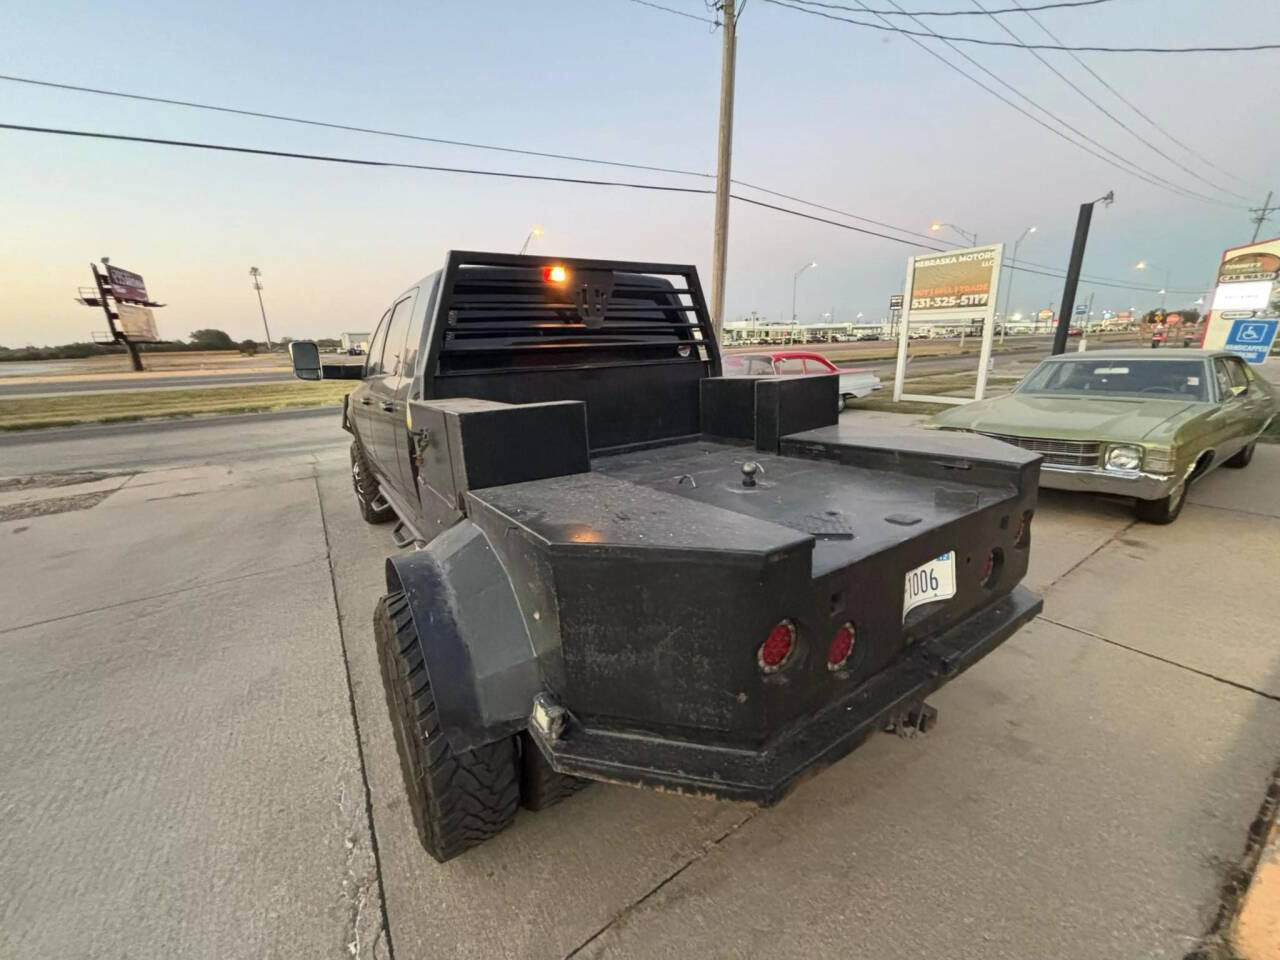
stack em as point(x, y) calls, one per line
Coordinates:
point(935, 580)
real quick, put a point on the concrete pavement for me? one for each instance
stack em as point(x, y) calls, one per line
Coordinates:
point(176, 717)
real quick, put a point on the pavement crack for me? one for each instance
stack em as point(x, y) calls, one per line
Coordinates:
point(1155, 656)
point(157, 596)
point(634, 905)
point(353, 942)
point(1089, 556)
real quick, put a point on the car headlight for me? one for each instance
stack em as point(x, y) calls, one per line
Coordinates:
point(1123, 457)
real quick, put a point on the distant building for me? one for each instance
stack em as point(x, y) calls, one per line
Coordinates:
point(357, 340)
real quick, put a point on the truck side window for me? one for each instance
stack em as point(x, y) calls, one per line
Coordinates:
point(396, 331)
point(373, 362)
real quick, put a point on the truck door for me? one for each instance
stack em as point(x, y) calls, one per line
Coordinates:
point(360, 408)
point(388, 412)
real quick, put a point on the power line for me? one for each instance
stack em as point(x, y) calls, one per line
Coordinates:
point(1025, 46)
point(392, 164)
point(1107, 113)
point(951, 13)
point(1139, 172)
point(98, 91)
point(1128, 103)
point(678, 13)
point(331, 125)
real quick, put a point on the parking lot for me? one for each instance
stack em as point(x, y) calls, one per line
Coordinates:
point(199, 760)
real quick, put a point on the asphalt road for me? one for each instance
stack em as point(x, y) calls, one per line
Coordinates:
point(196, 758)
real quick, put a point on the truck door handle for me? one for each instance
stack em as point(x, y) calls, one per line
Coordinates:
point(365, 401)
point(387, 405)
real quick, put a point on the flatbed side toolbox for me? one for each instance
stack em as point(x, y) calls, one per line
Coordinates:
point(763, 410)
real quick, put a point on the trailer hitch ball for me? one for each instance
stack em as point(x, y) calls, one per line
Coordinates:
point(749, 471)
point(548, 717)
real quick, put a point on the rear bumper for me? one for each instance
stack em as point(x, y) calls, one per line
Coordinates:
point(1123, 483)
point(763, 776)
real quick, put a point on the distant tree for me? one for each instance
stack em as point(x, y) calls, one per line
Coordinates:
point(210, 339)
point(248, 347)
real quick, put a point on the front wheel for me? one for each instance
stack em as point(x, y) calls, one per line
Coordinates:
point(1242, 457)
point(458, 799)
point(1164, 510)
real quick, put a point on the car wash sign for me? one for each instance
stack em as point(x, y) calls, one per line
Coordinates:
point(1246, 301)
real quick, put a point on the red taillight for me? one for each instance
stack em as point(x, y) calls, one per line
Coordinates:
point(991, 568)
point(1023, 538)
point(777, 647)
point(841, 647)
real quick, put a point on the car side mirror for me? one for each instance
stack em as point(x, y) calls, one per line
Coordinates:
point(305, 357)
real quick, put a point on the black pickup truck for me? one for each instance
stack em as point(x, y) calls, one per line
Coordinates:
point(618, 564)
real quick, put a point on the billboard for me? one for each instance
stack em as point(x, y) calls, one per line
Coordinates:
point(126, 285)
point(137, 323)
point(1245, 299)
point(957, 284)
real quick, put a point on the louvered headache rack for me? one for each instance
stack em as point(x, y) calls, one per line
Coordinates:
point(500, 313)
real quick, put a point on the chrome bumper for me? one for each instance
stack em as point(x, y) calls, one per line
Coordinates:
point(1124, 483)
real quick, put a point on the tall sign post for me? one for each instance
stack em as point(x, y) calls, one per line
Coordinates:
point(1245, 311)
point(131, 321)
point(959, 285)
point(1073, 270)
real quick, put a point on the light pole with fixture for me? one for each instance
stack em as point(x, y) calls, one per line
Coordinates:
point(1008, 296)
point(533, 232)
point(1073, 270)
point(795, 281)
point(256, 274)
point(969, 235)
point(1163, 291)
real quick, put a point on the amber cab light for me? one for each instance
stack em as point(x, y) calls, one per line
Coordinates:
point(777, 647)
point(556, 274)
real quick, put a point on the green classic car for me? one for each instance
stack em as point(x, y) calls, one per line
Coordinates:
point(1137, 423)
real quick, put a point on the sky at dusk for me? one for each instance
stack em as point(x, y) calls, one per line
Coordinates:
point(860, 120)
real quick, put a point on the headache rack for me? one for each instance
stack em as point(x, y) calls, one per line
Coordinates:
point(501, 312)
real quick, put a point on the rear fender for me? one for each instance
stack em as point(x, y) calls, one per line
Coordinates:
point(475, 645)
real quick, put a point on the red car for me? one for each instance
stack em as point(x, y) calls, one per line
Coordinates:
point(853, 383)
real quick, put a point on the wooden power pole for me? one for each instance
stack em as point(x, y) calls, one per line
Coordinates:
point(1261, 215)
point(724, 153)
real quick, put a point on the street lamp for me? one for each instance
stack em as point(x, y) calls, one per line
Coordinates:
point(534, 232)
point(256, 274)
point(968, 235)
point(795, 280)
point(1143, 265)
point(1013, 265)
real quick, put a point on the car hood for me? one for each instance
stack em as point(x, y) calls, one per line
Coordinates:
point(1065, 417)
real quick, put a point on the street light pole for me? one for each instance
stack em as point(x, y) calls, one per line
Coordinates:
point(724, 151)
point(533, 232)
point(1008, 296)
point(1073, 270)
point(256, 274)
point(795, 281)
point(970, 237)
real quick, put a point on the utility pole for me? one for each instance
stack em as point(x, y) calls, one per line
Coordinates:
point(720, 252)
point(1073, 271)
point(256, 274)
point(1261, 215)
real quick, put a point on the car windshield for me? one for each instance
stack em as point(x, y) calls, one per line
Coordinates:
point(747, 365)
point(1113, 377)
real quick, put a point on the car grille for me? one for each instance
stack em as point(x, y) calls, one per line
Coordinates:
point(1066, 453)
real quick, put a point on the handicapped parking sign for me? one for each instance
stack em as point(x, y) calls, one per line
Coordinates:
point(1252, 339)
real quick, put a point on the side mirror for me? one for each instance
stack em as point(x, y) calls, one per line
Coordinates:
point(305, 356)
